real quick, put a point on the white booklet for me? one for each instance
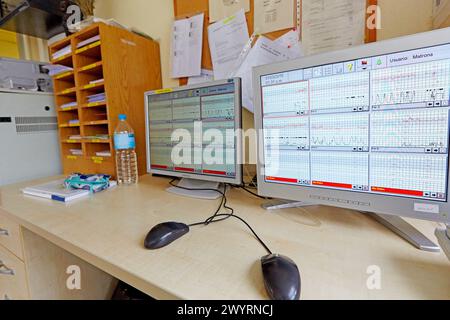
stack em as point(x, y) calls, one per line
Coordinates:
point(55, 190)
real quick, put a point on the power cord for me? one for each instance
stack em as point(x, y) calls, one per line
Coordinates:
point(223, 216)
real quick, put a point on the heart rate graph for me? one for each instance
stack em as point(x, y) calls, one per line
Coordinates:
point(186, 109)
point(218, 107)
point(340, 93)
point(348, 132)
point(287, 132)
point(410, 130)
point(410, 84)
point(409, 174)
point(287, 99)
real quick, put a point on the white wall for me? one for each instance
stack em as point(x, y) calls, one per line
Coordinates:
point(153, 17)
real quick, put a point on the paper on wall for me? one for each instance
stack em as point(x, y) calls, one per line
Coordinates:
point(186, 51)
point(205, 76)
point(227, 38)
point(273, 15)
point(290, 41)
point(332, 24)
point(265, 51)
point(220, 9)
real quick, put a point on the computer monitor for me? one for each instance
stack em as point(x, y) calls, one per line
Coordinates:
point(193, 132)
point(365, 128)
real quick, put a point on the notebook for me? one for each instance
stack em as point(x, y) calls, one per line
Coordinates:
point(55, 190)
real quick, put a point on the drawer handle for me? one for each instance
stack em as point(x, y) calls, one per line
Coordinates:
point(4, 270)
point(4, 232)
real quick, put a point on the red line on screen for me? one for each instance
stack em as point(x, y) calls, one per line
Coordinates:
point(398, 191)
point(184, 169)
point(279, 179)
point(222, 173)
point(332, 184)
point(157, 166)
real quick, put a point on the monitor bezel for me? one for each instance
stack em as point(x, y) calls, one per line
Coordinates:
point(381, 204)
point(237, 180)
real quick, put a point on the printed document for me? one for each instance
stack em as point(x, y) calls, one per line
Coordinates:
point(227, 39)
point(186, 51)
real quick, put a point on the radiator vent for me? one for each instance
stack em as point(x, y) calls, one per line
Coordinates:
point(35, 124)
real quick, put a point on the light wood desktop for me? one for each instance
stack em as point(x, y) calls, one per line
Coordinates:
point(333, 248)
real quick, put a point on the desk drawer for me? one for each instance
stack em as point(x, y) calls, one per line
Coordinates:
point(13, 278)
point(10, 236)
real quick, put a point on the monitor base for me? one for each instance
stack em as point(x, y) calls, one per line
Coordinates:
point(279, 204)
point(185, 184)
point(406, 231)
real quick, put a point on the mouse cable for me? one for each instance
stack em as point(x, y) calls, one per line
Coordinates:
point(227, 216)
point(251, 192)
point(223, 202)
point(213, 218)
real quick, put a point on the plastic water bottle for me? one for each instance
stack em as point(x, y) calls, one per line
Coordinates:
point(126, 159)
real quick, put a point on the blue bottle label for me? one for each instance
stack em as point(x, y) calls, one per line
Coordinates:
point(124, 141)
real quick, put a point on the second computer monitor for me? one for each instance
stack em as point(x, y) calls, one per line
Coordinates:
point(193, 132)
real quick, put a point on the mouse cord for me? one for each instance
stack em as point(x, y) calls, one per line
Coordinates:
point(223, 202)
point(222, 217)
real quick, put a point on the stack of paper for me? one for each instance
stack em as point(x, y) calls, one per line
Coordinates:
point(74, 121)
point(56, 69)
point(60, 53)
point(76, 152)
point(88, 41)
point(97, 81)
point(105, 153)
point(97, 137)
point(99, 97)
point(75, 137)
point(69, 105)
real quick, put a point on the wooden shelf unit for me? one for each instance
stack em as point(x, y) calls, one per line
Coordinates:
point(129, 65)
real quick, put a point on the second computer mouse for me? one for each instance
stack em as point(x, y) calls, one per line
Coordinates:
point(281, 277)
point(164, 234)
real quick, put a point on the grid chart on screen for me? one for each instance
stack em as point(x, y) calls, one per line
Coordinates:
point(288, 99)
point(382, 128)
point(340, 169)
point(186, 109)
point(346, 131)
point(411, 130)
point(218, 106)
point(287, 132)
point(189, 131)
point(340, 93)
point(288, 166)
point(409, 174)
point(424, 83)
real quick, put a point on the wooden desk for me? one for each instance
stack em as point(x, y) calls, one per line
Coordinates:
point(332, 247)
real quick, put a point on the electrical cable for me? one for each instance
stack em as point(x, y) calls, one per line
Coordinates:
point(223, 216)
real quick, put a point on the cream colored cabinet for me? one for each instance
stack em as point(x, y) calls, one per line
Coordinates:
point(33, 268)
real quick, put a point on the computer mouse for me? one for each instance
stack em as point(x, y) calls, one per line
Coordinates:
point(281, 277)
point(164, 234)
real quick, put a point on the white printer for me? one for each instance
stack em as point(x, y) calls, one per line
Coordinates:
point(24, 75)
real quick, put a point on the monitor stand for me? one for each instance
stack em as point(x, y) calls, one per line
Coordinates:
point(197, 194)
point(406, 231)
point(393, 223)
point(278, 204)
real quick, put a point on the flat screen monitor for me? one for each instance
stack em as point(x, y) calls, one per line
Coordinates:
point(365, 128)
point(193, 132)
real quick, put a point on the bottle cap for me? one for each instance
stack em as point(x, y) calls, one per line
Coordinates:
point(122, 117)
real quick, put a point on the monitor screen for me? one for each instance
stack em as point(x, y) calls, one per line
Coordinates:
point(373, 125)
point(200, 120)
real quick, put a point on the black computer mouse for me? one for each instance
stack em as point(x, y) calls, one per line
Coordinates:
point(281, 277)
point(164, 234)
